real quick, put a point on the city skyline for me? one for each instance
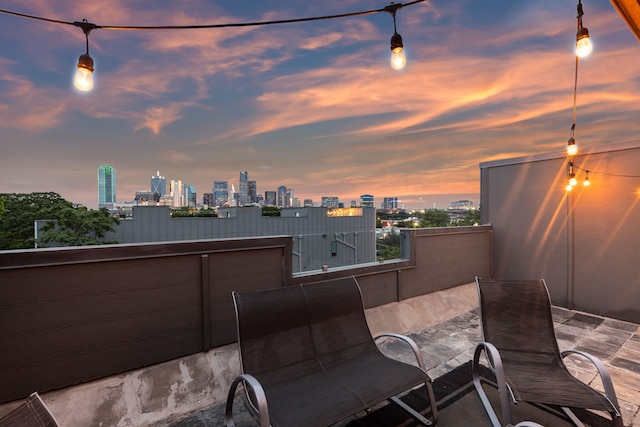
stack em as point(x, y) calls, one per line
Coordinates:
point(314, 105)
point(158, 183)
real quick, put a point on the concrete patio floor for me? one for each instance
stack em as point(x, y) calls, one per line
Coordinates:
point(449, 344)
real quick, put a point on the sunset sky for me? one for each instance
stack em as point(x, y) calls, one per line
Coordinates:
point(314, 106)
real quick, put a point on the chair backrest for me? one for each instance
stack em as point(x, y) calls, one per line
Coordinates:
point(32, 413)
point(336, 315)
point(516, 316)
point(273, 331)
point(301, 327)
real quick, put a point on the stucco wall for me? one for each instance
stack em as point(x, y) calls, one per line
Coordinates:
point(584, 243)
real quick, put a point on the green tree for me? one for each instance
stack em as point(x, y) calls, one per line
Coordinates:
point(72, 224)
point(190, 212)
point(389, 246)
point(407, 224)
point(271, 211)
point(435, 218)
point(470, 218)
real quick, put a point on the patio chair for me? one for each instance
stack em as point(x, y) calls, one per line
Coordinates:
point(308, 358)
point(31, 413)
point(521, 347)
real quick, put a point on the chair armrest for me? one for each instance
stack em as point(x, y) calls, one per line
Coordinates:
point(495, 362)
point(526, 424)
point(261, 399)
point(412, 344)
point(609, 391)
point(428, 386)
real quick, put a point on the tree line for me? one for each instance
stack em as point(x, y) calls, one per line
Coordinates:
point(68, 224)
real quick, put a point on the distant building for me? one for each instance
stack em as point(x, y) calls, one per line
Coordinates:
point(191, 196)
point(207, 199)
point(177, 192)
point(330, 202)
point(462, 204)
point(282, 195)
point(221, 193)
point(146, 198)
point(159, 185)
point(252, 192)
point(390, 203)
point(244, 188)
point(308, 203)
point(270, 198)
point(366, 200)
point(332, 237)
point(459, 209)
point(106, 185)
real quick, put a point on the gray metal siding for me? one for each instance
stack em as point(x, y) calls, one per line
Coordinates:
point(355, 235)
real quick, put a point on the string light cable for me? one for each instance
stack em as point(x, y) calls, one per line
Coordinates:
point(616, 175)
point(83, 80)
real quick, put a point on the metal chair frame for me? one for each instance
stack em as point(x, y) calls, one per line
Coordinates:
point(257, 393)
point(505, 391)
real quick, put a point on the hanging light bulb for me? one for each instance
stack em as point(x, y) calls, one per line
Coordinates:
point(586, 182)
point(572, 147)
point(572, 176)
point(83, 79)
point(398, 58)
point(583, 42)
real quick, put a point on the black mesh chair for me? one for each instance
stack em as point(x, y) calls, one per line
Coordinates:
point(32, 413)
point(308, 357)
point(520, 344)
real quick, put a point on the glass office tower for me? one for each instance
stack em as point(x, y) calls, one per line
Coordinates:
point(159, 184)
point(106, 185)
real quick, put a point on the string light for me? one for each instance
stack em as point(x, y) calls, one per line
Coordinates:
point(583, 48)
point(583, 42)
point(83, 79)
point(84, 76)
point(572, 176)
point(398, 58)
point(572, 147)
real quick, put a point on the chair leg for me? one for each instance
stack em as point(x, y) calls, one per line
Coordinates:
point(503, 392)
point(415, 414)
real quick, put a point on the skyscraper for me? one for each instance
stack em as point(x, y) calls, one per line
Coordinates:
point(191, 197)
point(244, 188)
point(207, 199)
point(220, 193)
point(282, 195)
point(366, 200)
point(159, 184)
point(178, 192)
point(390, 203)
point(106, 185)
point(252, 192)
point(270, 198)
point(330, 202)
